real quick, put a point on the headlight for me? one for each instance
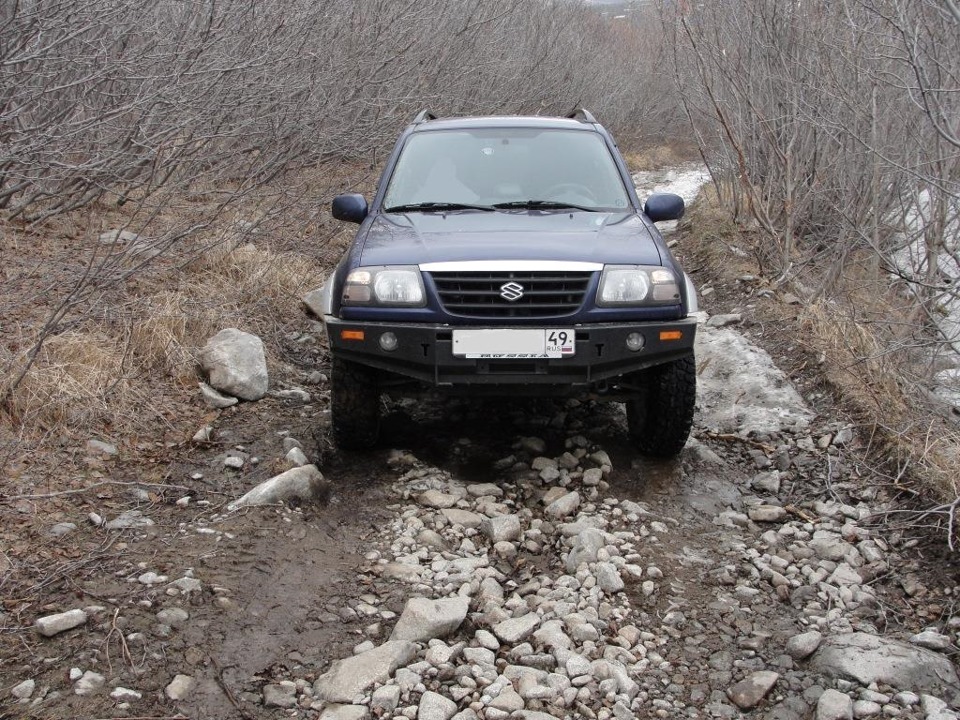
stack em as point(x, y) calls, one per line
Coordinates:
point(637, 285)
point(394, 285)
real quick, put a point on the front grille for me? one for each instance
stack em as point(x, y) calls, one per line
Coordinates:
point(545, 294)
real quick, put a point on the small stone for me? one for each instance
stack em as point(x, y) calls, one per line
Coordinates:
point(437, 500)
point(296, 457)
point(834, 705)
point(608, 578)
point(719, 321)
point(63, 528)
point(563, 506)
point(385, 698)
point(802, 646)
point(89, 683)
point(502, 528)
point(215, 399)
point(151, 578)
point(187, 585)
point(203, 434)
point(484, 489)
point(180, 687)
point(51, 625)
point(24, 690)
point(516, 630)
point(469, 520)
point(233, 461)
point(129, 519)
point(435, 707)
point(174, 617)
point(932, 640)
point(281, 695)
point(767, 513)
point(577, 665)
point(125, 695)
point(424, 619)
point(101, 448)
point(748, 693)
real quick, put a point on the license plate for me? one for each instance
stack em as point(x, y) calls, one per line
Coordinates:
point(507, 344)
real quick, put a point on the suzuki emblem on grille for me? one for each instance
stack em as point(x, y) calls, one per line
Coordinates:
point(511, 291)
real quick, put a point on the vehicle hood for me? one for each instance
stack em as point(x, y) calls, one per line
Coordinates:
point(417, 238)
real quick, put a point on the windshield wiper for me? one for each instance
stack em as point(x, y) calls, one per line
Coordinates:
point(541, 205)
point(434, 207)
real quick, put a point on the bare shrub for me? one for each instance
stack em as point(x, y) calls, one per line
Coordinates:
point(831, 129)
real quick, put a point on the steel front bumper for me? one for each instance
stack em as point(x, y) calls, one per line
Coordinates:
point(425, 353)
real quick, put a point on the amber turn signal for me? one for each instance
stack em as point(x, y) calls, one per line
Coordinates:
point(351, 334)
point(671, 334)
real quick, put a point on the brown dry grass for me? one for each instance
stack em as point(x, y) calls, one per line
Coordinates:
point(139, 343)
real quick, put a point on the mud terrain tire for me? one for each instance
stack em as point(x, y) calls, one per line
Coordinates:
point(659, 419)
point(354, 405)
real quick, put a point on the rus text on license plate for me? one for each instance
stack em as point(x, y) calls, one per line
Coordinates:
point(504, 343)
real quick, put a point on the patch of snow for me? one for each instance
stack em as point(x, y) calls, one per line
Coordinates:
point(683, 180)
point(740, 390)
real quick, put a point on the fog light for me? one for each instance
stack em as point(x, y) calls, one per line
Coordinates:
point(635, 342)
point(388, 341)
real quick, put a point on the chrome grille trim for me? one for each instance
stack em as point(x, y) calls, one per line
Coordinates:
point(546, 294)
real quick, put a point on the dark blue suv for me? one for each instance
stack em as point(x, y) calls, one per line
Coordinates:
point(511, 256)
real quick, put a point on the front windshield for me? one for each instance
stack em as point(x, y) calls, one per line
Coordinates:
point(503, 166)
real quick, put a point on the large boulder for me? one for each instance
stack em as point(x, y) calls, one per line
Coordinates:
point(236, 364)
point(870, 659)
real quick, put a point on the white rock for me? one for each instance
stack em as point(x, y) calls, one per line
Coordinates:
point(437, 500)
point(281, 695)
point(236, 364)
point(89, 683)
point(349, 678)
point(502, 528)
point(871, 659)
point(296, 457)
point(802, 646)
point(305, 484)
point(424, 619)
point(24, 690)
point(834, 705)
point(577, 665)
point(51, 625)
point(932, 640)
point(385, 698)
point(563, 506)
point(608, 578)
point(214, 398)
point(435, 707)
point(129, 519)
point(516, 630)
point(748, 693)
point(174, 617)
point(125, 695)
point(936, 709)
point(180, 687)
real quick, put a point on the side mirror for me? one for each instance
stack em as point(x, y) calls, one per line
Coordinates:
point(351, 207)
point(664, 206)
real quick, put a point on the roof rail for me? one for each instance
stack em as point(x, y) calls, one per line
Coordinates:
point(423, 116)
point(582, 115)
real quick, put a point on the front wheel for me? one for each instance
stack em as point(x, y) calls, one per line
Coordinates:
point(659, 418)
point(354, 405)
